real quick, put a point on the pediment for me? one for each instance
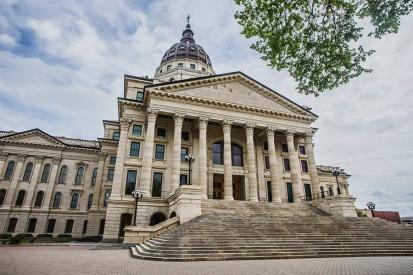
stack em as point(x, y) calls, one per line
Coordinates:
point(35, 137)
point(236, 88)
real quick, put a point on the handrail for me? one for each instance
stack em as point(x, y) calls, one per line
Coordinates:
point(319, 195)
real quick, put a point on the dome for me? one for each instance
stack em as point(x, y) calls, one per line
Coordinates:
point(186, 48)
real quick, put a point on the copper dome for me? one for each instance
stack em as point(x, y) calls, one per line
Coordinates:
point(186, 48)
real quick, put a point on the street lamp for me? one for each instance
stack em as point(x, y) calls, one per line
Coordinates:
point(137, 195)
point(371, 206)
point(190, 159)
point(336, 173)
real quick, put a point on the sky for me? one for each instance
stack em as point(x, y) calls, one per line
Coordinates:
point(62, 67)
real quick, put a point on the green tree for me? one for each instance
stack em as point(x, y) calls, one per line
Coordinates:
point(316, 41)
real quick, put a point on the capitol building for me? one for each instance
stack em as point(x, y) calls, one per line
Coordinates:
point(250, 143)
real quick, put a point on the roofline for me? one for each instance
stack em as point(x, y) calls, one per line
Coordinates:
point(138, 77)
point(232, 73)
point(110, 121)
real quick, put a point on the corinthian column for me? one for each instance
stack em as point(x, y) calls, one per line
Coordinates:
point(252, 169)
point(202, 176)
point(51, 183)
point(228, 194)
point(275, 179)
point(120, 158)
point(176, 152)
point(294, 166)
point(148, 152)
point(315, 181)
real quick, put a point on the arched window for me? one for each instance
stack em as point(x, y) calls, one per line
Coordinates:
point(46, 173)
point(74, 201)
point(173, 214)
point(236, 155)
point(218, 153)
point(79, 175)
point(57, 199)
point(94, 176)
point(9, 170)
point(156, 218)
point(28, 171)
point(2, 196)
point(89, 201)
point(39, 199)
point(62, 175)
point(20, 198)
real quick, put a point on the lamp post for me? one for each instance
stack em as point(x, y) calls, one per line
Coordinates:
point(190, 159)
point(137, 195)
point(336, 173)
point(371, 206)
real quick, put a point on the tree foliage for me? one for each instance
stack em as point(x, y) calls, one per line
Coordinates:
point(316, 40)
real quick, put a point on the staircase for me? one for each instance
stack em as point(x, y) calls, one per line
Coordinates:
point(239, 230)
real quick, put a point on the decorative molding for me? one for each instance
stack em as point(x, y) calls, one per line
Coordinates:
point(151, 115)
point(202, 122)
point(270, 130)
point(249, 128)
point(22, 157)
point(178, 118)
point(56, 160)
point(227, 125)
point(308, 136)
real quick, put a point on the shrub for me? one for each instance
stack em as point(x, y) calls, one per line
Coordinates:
point(91, 239)
point(63, 238)
point(19, 238)
point(360, 213)
point(43, 238)
point(6, 236)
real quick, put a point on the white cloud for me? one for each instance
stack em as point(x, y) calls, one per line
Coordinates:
point(7, 41)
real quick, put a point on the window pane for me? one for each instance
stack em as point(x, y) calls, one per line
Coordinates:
point(267, 162)
point(265, 145)
point(39, 199)
point(112, 160)
point(217, 153)
point(12, 225)
point(111, 173)
point(89, 201)
point(184, 152)
point(134, 149)
point(157, 185)
point(20, 198)
point(236, 155)
point(139, 96)
point(130, 182)
point(159, 152)
point(183, 179)
point(32, 225)
point(302, 150)
point(69, 226)
point(105, 197)
point(79, 175)
point(57, 199)
point(9, 170)
point(137, 130)
point(185, 135)
point(75, 200)
point(2, 196)
point(269, 191)
point(94, 175)
point(286, 164)
point(45, 174)
point(285, 148)
point(116, 135)
point(304, 166)
point(50, 225)
point(62, 175)
point(28, 171)
point(161, 133)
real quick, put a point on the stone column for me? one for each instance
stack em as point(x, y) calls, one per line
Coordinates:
point(176, 152)
point(275, 178)
point(315, 181)
point(252, 169)
point(120, 158)
point(52, 182)
point(202, 176)
point(148, 152)
point(97, 189)
point(294, 166)
point(3, 157)
point(228, 194)
point(14, 181)
point(33, 182)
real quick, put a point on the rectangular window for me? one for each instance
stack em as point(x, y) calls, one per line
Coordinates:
point(161, 133)
point(69, 226)
point(192, 66)
point(116, 135)
point(112, 160)
point(157, 184)
point(286, 165)
point(12, 225)
point(159, 152)
point(217, 153)
point(269, 191)
point(265, 145)
point(84, 227)
point(180, 64)
point(290, 197)
point(134, 149)
point(301, 149)
point(185, 135)
point(111, 173)
point(130, 182)
point(184, 152)
point(32, 225)
point(304, 166)
point(139, 96)
point(285, 148)
point(267, 162)
point(137, 130)
point(102, 226)
point(183, 179)
point(50, 225)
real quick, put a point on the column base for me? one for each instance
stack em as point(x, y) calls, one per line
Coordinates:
point(253, 199)
point(229, 198)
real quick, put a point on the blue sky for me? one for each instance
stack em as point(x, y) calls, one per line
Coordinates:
point(62, 66)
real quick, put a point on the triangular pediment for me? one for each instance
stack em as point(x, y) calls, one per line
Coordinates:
point(35, 137)
point(236, 88)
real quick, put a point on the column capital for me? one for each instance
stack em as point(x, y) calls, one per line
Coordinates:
point(178, 118)
point(39, 159)
point(102, 155)
point(202, 122)
point(308, 137)
point(226, 125)
point(249, 128)
point(124, 123)
point(56, 160)
point(151, 115)
point(3, 155)
point(22, 157)
point(270, 130)
point(289, 133)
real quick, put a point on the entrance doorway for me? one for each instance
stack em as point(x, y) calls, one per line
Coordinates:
point(307, 190)
point(218, 185)
point(238, 187)
point(290, 196)
point(125, 219)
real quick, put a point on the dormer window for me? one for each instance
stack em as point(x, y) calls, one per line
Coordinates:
point(116, 135)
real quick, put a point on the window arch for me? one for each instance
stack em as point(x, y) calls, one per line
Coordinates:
point(74, 201)
point(237, 155)
point(39, 199)
point(94, 176)
point(173, 214)
point(20, 198)
point(9, 170)
point(156, 218)
point(46, 173)
point(2, 196)
point(89, 201)
point(218, 154)
point(28, 171)
point(62, 175)
point(57, 199)
point(79, 175)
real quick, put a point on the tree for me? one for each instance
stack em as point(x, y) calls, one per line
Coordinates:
point(316, 40)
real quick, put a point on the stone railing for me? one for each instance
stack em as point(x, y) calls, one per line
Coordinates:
point(339, 205)
point(135, 234)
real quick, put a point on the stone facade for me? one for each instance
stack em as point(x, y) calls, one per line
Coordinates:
point(250, 143)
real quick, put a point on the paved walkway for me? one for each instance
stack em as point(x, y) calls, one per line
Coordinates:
point(82, 260)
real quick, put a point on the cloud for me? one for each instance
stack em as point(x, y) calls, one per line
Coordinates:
point(62, 66)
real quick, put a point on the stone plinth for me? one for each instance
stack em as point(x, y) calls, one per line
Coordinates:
point(341, 205)
point(186, 202)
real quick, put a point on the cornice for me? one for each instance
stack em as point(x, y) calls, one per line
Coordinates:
point(224, 104)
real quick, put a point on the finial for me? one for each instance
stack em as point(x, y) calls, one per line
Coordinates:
point(187, 18)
